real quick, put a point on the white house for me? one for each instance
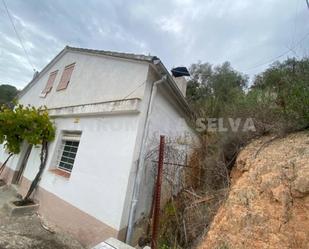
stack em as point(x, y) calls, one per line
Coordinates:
point(107, 108)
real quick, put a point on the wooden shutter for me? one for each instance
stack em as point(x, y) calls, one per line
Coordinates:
point(50, 82)
point(66, 76)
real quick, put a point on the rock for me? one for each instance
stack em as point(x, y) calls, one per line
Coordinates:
point(268, 204)
point(301, 183)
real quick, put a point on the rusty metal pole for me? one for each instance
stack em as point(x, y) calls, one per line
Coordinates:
point(156, 212)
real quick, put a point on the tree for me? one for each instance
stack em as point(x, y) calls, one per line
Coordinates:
point(29, 124)
point(214, 87)
point(7, 93)
point(288, 83)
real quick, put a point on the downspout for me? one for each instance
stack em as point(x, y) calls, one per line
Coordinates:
point(141, 158)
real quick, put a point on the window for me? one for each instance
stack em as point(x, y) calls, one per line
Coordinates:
point(65, 77)
point(68, 151)
point(49, 84)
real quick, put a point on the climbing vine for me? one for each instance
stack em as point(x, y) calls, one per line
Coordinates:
point(29, 124)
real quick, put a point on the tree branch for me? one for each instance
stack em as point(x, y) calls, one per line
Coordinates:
point(43, 157)
point(5, 162)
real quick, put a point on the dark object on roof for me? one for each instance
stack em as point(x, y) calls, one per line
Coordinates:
point(180, 71)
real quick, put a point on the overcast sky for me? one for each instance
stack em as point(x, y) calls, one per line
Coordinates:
point(247, 33)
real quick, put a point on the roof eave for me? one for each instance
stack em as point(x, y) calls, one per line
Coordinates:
point(180, 97)
point(128, 56)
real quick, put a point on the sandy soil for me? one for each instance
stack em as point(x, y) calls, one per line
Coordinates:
point(268, 204)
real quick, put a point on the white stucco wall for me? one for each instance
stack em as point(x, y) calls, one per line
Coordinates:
point(138, 143)
point(98, 181)
point(166, 119)
point(14, 160)
point(94, 79)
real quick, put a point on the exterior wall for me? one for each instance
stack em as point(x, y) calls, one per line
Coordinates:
point(8, 174)
point(138, 143)
point(166, 119)
point(87, 229)
point(96, 189)
point(13, 163)
point(182, 84)
point(101, 168)
point(94, 79)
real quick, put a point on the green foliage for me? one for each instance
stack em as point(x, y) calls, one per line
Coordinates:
point(28, 124)
point(7, 93)
point(164, 246)
point(170, 209)
point(277, 102)
point(169, 232)
point(288, 84)
point(212, 88)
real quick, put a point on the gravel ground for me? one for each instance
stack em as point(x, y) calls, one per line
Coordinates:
point(27, 232)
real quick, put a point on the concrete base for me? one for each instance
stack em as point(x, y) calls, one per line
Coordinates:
point(13, 210)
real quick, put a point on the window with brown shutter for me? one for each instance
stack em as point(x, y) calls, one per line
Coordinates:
point(49, 84)
point(66, 76)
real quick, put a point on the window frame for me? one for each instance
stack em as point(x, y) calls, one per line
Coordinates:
point(67, 137)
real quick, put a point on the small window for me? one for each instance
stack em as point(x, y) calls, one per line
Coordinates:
point(68, 151)
point(65, 77)
point(49, 84)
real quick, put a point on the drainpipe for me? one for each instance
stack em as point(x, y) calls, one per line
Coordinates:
point(140, 164)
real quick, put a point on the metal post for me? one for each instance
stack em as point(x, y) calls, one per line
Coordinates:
point(156, 212)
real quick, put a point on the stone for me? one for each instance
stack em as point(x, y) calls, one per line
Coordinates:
point(301, 184)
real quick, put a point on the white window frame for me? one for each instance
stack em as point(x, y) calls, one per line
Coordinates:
point(67, 137)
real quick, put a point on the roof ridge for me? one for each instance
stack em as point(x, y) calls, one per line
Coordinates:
point(133, 56)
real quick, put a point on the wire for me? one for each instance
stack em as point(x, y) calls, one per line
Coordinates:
point(134, 90)
point(268, 61)
point(307, 1)
point(18, 36)
point(279, 56)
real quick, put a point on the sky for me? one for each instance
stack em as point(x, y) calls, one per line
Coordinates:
point(250, 34)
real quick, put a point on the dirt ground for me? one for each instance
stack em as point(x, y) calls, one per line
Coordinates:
point(27, 232)
point(268, 205)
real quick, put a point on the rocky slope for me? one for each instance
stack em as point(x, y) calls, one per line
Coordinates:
point(268, 205)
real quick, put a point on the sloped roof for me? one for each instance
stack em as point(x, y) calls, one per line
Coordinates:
point(130, 56)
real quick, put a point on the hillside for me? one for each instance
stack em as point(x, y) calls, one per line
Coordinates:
point(268, 205)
